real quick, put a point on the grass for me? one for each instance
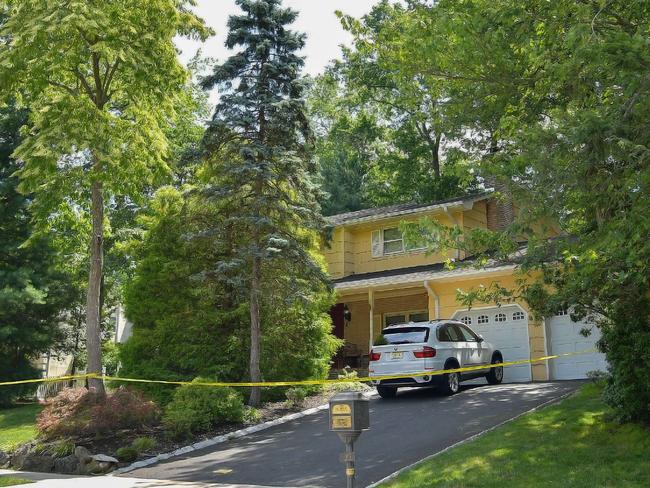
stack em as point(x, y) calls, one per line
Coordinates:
point(18, 425)
point(569, 444)
point(11, 481)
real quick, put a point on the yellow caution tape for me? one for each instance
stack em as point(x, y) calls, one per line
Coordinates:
point(302, 382)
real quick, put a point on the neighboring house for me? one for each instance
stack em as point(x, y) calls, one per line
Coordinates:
point(380, 281)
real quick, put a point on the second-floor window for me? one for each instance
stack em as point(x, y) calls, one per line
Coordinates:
point(390, 241)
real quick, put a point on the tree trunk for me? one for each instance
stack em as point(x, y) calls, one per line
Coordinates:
point(93, 301)
point(255, 373)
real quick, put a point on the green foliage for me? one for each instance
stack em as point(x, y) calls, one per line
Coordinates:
point(33, 290)
point(185, 325)
point(143, 444)
point(387, 133)
point(380, 340)
point(260, 180)
point(127, 454)
point(561, 104)
point(99, 80)
point(295, 396)
point(196, 409)
point(63, 448)
point(252, 415)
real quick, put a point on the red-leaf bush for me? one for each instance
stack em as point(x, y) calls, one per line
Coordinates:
point(78, 411)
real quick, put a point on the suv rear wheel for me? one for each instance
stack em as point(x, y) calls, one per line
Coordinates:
point(387, 391)
point(495, 376)
point(450, 381)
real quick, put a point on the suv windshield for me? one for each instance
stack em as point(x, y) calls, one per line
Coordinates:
point(406, 335)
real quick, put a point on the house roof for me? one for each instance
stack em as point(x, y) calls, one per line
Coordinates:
point(435, 271)
point(417, 274)
point(378, 213)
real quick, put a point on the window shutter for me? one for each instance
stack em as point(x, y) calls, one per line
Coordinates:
point(377, 245)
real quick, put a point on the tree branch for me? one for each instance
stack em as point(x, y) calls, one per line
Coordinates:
point(71, 91)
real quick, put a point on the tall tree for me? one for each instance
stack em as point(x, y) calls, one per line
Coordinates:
point(98, 78)
point(257, 143)
point(574, 149)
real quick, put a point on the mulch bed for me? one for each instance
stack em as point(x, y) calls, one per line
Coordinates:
point(269, 411)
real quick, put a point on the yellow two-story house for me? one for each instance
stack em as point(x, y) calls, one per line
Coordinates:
point(380, 281)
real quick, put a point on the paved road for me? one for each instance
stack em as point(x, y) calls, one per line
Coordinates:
point(404, 430)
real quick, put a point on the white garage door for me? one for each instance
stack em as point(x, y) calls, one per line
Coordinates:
point(563, 335)
point(506, 328)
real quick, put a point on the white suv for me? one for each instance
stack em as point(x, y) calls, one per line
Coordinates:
point(437, 345)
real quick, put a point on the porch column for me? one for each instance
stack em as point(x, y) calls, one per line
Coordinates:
point(371, 303)
point(433, 298)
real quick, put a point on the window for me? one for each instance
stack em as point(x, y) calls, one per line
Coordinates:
point(500, 317)
point(405, 317)
point(395, 319)
point(450, 333)
point(466, 320)
point(468, 335)
point(518, 316)
point(482, 319)
point(390, 241)
point(406, 335)
point(393, 241)
point(562, 312)
point(419, 317)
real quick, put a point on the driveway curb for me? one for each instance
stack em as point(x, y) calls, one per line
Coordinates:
point(220, 439)
point(469, 439)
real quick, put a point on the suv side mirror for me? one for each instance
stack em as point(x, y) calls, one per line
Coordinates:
point(480, 338)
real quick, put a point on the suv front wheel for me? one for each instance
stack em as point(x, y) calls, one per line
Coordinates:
point(495, 376)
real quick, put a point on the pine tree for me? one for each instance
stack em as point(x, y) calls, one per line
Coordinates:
point(258, 146)
point(32, 292)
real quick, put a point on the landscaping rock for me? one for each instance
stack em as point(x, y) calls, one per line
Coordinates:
point(103, 458)
point(67, 465)
point(40, 463)
point(82, 454)
point(4, 459)
point(98, 467)
point(18, 457)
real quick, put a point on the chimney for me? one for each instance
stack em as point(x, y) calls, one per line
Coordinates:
point(500, 209)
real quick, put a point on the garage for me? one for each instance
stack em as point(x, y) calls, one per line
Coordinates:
point(506, 328)
point(563, 335)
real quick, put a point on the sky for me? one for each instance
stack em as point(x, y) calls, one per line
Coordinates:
point(316, 18)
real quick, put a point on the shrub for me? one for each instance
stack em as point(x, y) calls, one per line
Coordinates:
point(63, 448)
point(143, 444)
point(200, 408)
point(77, 411)
point(127, 454)
point(252, 415)
point(296, 396)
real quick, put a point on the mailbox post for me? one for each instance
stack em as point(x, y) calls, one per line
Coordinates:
point(349, 416)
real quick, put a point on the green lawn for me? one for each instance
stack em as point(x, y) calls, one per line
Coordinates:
point(18, 425)
point(569, 444)
point(11, 481)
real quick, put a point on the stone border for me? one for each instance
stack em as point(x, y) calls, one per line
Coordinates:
point(220, 439)
point(469, 439)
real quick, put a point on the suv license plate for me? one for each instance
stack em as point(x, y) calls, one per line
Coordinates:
point(396, 355)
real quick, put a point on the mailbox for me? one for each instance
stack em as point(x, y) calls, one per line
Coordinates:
point(349, 412)
point(349, 416)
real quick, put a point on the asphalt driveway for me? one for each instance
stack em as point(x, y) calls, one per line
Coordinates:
point(304, 453)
